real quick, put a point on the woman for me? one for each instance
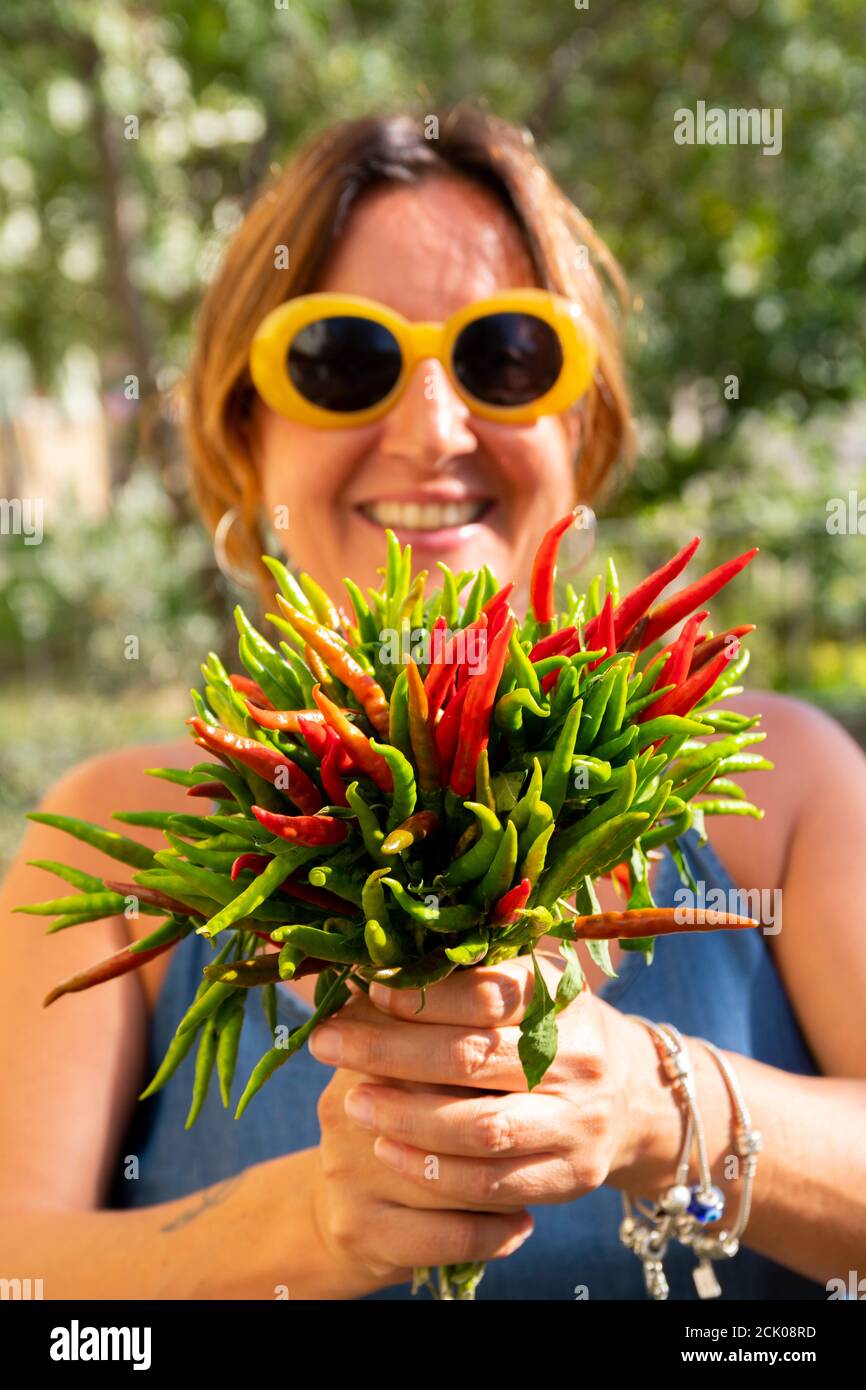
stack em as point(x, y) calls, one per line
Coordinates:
point(105, 1197)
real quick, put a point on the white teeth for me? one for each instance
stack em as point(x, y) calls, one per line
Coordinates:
point(424, 516)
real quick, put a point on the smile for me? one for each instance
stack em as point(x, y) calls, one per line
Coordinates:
point(425, 516)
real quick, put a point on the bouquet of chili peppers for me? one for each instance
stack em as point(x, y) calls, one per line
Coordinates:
point(418, 784)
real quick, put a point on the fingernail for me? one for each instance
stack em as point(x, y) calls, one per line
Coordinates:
point(326, 1044)
point(394, 1155)
point(359, 1107)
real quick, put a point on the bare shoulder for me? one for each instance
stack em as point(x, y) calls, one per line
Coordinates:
point(811, 753)
point(120, 777)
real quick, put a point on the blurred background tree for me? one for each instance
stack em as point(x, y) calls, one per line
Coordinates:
point(132, 138)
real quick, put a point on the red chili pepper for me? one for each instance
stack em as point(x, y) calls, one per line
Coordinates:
point(477, 708)
point(288, 720)
point(355, 741)
point(340, 661)
point(496, 608)
point(303, 830)
point(267, 762)
point(213, 791)
point(109, 969)
point(245, 685)
point(421, 734)
point(604, 633)
point(253, 863)
point(552, 644)
point(708, 647)
point(448, 732)
point(476, 640)
point(544, 568)
point(688, 599)
point(330, 768)
point(440, 672)
point(505, 911)
point(686, 696)
point(677, 666)
point(633, 606)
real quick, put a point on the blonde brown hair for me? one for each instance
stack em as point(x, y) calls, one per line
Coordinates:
point(304, 209)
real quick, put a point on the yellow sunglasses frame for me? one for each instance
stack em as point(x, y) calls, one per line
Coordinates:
point(418, 342)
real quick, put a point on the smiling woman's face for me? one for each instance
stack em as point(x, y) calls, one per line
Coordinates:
point(458, 488)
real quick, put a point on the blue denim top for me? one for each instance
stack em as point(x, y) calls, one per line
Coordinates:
point(719, 985)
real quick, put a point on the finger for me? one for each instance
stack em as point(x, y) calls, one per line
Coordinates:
point(435, 1053)
point(466, 1125)
point(485, 997)
point(483, 1183)
point(408, 1238)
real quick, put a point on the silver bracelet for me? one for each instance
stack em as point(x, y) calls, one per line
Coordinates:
point(683, 1211)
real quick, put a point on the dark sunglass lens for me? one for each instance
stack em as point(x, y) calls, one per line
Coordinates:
point(344, 363)
point(507, 359)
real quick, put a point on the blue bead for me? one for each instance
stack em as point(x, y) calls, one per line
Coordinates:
point(708, 1206)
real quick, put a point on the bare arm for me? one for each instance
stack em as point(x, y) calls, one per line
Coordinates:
point(323, 1223)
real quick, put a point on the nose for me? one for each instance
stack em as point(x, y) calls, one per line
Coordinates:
point(429, 423)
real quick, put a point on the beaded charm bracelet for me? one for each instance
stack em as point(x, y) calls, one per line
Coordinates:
point(683, 1211)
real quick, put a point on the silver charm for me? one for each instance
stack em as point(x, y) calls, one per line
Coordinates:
point(705, 1279)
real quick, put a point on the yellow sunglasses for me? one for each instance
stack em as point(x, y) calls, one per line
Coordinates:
point(336, 360)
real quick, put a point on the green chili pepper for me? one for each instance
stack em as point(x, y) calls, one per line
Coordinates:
point(477, 860)
point(498, 877)
point(523, 808)
point(252, 897)
point(373, 897)
point(86, 883)
point(179, 1045)
point(267, 1065)
point(228, 1028)
point(564, 694)
point(324, 945)
point(614, 712)
point(398, 717)
point(474, 601)
point(595, 701)
point(666, 724)
point(204, 1065)
point(581, 854)
point(540, 818)
point(446, 919)
point(483, 788)
point(450, 602)
point(404, 794)
point(382, 943)
point(104, 904)
point(112, 844)
point(289, 959)
point(509, 710)
point(522, 667)
point(729, 808)
point(472, 949)
point(371, 832)
point(533, 862)
point(325, 876)
point(558, 773)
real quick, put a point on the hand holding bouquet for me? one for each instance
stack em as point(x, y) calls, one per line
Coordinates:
point(422, 784)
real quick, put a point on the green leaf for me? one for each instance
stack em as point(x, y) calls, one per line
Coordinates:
point(571, 980)
point(600, 953)
point(538, 1032)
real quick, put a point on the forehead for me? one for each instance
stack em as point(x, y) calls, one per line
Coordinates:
point(427, 249)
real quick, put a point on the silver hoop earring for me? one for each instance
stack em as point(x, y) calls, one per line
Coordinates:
point(240, 578)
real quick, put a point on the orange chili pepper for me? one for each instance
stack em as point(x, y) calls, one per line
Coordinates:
point(355, 741)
